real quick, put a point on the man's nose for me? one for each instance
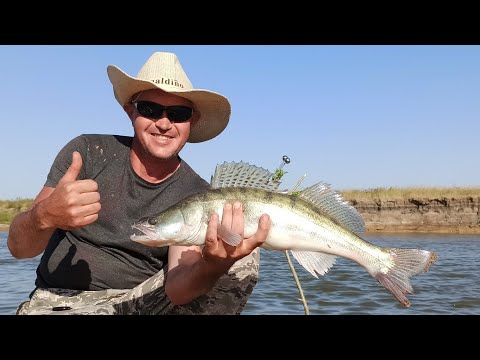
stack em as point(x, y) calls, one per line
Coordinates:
point(163, 123)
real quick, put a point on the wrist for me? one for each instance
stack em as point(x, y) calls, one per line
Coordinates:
point(39, 216)
point(215, 268)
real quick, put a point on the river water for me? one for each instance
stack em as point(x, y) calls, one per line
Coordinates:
point(451, 285)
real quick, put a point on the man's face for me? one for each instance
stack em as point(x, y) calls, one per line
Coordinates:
point(160, 138)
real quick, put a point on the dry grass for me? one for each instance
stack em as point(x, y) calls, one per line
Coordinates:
point(10, 208)
point(411, 192)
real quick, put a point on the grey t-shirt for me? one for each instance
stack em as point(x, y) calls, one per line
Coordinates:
point(101, 255)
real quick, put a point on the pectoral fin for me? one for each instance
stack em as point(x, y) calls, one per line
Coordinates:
point(229, 237)
point(314, 262)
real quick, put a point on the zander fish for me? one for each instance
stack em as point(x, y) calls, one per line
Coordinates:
point(316, 225)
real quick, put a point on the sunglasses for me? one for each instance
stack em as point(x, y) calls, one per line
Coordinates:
point(151, 110)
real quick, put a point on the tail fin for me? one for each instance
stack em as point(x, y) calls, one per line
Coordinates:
point(407, 262)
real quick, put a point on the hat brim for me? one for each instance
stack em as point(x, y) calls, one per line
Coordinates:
point(214, 108)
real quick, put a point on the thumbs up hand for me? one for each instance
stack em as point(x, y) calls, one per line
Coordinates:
point(74, 203)
point(74, 170)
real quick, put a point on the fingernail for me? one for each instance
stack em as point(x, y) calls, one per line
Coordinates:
point(237, 205)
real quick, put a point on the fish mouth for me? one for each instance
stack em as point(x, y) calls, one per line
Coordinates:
point(147, 233)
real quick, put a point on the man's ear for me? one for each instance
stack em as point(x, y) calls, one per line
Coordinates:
point(129, 109)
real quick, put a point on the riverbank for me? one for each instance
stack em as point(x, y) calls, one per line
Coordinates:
point(413, 210)
point(10, 208)
point(421, 215)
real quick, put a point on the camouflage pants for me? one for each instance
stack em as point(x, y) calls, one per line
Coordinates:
point(228, 297)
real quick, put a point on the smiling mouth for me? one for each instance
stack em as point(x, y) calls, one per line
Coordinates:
point(161, 136)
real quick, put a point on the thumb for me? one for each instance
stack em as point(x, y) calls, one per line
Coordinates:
point(74, 169)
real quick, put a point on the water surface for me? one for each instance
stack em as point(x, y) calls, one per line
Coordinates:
point(451, 285)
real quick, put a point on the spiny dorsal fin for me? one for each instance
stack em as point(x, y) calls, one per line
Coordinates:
point(331, 203)
point(242, 175)
point(314, 262)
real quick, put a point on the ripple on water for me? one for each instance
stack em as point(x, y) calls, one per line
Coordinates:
point(449, 287)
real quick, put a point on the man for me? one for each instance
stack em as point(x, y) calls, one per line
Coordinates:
point(99, 185)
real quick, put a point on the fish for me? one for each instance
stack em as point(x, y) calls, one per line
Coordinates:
point(316, 225)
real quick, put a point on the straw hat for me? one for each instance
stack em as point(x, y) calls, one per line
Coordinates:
point(163, 71)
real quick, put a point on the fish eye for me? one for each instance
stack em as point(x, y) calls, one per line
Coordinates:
point(152, 221)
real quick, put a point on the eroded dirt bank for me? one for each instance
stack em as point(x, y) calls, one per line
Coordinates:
point(460, 216)
point(443, 215)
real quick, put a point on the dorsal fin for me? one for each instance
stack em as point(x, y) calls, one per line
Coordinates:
point(242, 175)
point(322, 196)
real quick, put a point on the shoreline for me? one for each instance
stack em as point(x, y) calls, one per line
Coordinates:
point(383, 211)
point(445, 230)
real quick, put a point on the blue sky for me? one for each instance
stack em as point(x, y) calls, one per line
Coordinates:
point(357, 117)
